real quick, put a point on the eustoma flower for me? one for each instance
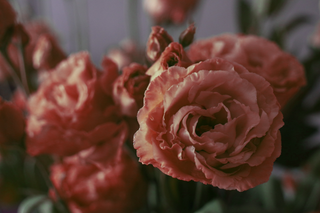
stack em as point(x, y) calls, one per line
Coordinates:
point(213, 122)
point(72, 109)
point(109, 182)
point(258, 55)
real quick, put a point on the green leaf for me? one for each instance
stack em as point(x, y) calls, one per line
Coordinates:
point(215, 206)
point(297, 22)
point(275, 6)
point(271, 194)
point(245, 16)
point(32, 203)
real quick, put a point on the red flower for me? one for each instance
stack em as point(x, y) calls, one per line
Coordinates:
point(109, 182)
point(12, 123)
point(173, 55)
point(213, 122)
point(258, 55)
point(72, 110)
point(158, 40)
point(128, 89)
point(47, 54)
point(175, 11)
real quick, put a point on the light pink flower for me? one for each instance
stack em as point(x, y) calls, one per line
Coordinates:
point(258, 55)
point(213, 122)
point(72, 110)
point(110, 182)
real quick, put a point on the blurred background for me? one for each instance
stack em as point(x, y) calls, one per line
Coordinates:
point(99, 25)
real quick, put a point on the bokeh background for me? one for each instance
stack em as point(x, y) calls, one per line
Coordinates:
point(97, 25)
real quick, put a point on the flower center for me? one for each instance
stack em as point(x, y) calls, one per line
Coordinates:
point(205, 124)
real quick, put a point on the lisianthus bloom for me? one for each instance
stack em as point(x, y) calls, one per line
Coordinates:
point(158, 40)
point(128, 89)
point(173, 55)
point(72, 110)
point(110, 182)
point(213, 122)
point(12, 123)
point(8, 19)
point(47, 53)
point(168, 11)
point(261, 56)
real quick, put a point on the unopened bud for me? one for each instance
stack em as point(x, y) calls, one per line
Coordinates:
point(20, 35)
point(187, 36)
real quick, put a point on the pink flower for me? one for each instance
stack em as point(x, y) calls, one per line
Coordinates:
point(47, 54)
point(72, 110)
point(175, 11)
point(128, 89)
point(173, 55)
point(109, 183)
point(8, 19)
point(213, 122)
point(158, 40)
point(12, 123)
point(258, 55)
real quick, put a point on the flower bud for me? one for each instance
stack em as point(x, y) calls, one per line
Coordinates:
point(20, 35)
point(158, 40)
point(187, 36)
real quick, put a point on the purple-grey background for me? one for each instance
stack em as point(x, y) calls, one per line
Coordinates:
point(97, 25)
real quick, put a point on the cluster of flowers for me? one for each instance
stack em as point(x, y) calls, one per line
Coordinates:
point(210, 114)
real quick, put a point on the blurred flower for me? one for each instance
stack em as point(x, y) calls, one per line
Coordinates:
point(19, 99)
point(157, 42)
point(315, 37)
point(282, 70)
point(12, 123)
point(34, 31)
point(71, 110)
point(169, 11)
point(47, 54)
point(173, 55)
point(128, 89)
point(110, 184)
point(127, 53)
point(213, 122)
point(8, 19)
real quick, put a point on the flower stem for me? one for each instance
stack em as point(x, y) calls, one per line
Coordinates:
point(13, 71)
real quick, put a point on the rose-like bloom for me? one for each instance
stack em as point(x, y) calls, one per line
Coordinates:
point(168, 11)
point(109, 183)
point(128, 89)
point(71, 110)
point(47, 54)
point(173, 55)
point(258, 55)
point(12, 123)
point(213, 122)
point(8, 19)
point(158, 40)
